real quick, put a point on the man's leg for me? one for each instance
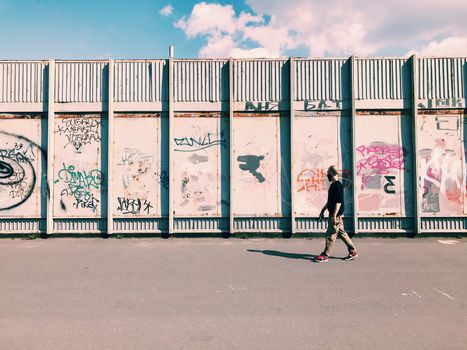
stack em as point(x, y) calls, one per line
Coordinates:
point(331, 235)
point(344, 236)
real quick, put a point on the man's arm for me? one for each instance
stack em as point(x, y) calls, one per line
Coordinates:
point(340, 198)
point(321, 215)
point(336, 209)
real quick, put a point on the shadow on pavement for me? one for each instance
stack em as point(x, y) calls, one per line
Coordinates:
point(310, 257)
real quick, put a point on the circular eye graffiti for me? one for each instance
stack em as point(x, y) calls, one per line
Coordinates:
point(6, 170)
point(17, 174)
point(11, 171)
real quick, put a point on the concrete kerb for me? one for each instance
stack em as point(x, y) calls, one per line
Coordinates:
point(237, 235)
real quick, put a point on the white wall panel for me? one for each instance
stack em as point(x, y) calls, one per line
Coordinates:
point(441, 166)
point(137, 175)
point(379, 165)
point(21, 167)
point(318, 144)
point(256, 168)
point(78, 178)
point(197, 179)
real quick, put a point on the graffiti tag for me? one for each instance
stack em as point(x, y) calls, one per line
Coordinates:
point(390, 183)
point(80, 184)
point(131, 156)
point(261, 106)
point(317, 105)
point(190, 144)
point(133, 206)
point(379, 158)
point(317, 180)
point(442, 103)
point(79, 131)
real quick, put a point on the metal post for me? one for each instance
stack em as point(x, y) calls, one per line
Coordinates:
point(292, 169)
point(417, 220)
point(231, 145)
point(170, 138)
point(50, 146)
point(354, 164)
point(110, 148)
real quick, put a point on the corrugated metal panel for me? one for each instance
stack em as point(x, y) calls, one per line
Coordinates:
point(23, 82)
point(140, 81)
point(375, 225)
point(136, 225)
point(261, 80)
point(262, 224)
point(313, 225)
point(81, 82)
point(382, 79)
point(444, 224)
point(201, 224)
point(321, 79)
point(310, 225)
point(76, 224)
point(23, 225)
point(441, 77)
point(201, 81)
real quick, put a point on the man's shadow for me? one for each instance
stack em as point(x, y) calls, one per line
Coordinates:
point(310, 257)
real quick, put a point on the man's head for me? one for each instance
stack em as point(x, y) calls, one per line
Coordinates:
point(333, 174)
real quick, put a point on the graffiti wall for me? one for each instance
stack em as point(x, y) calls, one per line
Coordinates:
point(138, 175)
point(79, 181)
point(22, 167)
point(441, 164)
point(319, 142)
point(383, 159)
point(383, 165)
point(200, 152)
point(257, 164)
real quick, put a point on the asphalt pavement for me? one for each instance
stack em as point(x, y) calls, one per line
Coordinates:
point(208, 293)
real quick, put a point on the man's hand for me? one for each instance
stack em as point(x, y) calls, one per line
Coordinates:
point(321, 215)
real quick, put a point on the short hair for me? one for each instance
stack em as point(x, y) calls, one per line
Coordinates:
point(332, 169)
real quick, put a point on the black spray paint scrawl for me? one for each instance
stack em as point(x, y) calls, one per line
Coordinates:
point(251, 164)
point(18, 157)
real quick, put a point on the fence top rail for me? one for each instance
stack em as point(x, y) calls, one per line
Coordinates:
point(226, 59)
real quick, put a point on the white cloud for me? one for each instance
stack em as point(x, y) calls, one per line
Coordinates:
point(450, 47)
point(166, 10)
point(257, 52)
point(331, 28)
point(218, 45)
point(208, 19)
point(227, 34)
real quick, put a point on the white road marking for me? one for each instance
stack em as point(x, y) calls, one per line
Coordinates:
point(447, 241)
point(236, 288)
point(446, 295)
point(412, 293)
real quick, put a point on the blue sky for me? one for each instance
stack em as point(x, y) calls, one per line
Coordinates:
point(250, 28)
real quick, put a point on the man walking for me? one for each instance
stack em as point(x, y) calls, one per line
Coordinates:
point(335, 206)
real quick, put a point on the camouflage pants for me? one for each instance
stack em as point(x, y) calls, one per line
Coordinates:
point(336, 229)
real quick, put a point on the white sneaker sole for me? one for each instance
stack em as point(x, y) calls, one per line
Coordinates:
point(350, 258)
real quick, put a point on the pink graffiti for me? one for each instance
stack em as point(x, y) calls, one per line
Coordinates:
point(441, 169)
point(379, 159)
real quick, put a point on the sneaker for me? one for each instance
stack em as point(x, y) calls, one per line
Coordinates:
point(321, 258)
point(351, 256)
